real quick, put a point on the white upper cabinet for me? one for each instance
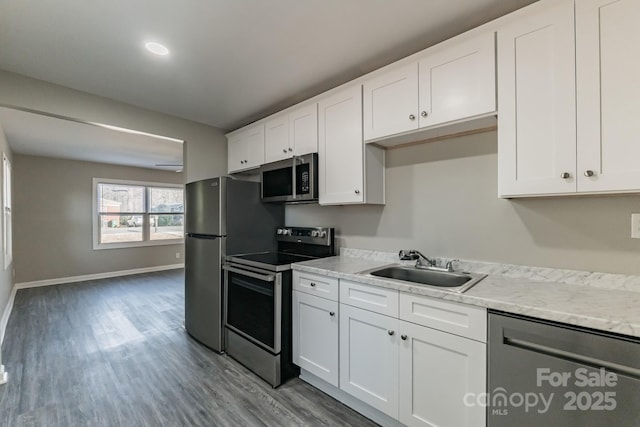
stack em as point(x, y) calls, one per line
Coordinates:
point(569, 99)
point(245, 149)
point(452, 82)
point(391, 103)
point(276, 139)
point(295, 133)
point(348, 172)
point(608, 95)
point(458, 81)
point(536, 95)
point(303, 130)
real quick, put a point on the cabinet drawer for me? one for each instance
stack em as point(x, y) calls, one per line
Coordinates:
point(373, 298)
point(460, 319)
point(322, 286)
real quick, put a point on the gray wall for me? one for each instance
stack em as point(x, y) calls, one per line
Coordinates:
point(53, 220)
point(442, 199)
point(6, 282)
point(205, 153)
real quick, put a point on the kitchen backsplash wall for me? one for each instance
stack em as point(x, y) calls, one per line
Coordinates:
point(442, 199)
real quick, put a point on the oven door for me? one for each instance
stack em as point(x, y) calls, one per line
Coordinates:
point(253, 305)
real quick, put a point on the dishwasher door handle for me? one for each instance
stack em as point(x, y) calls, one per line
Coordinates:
point(573, 357)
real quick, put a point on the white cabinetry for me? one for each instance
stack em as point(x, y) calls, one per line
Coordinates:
point(556, 64)
point(315, 325)
point(437, 369)
point(412, 357)
point(369, 358)
point(607, 70)
point(453, 81)
point(294, 133)
point(348, 173)
point(245, 148)
point(391, 102)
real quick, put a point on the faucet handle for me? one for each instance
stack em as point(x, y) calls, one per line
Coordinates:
point(449, 265)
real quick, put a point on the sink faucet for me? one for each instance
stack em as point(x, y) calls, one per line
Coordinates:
point(413, 254)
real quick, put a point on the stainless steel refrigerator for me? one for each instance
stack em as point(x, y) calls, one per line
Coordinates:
point(224, 216)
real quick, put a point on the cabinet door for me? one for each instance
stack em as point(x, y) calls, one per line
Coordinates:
point(254, 138)
point(536, 95)
point(276, 139)
point(369, 358)
point(303, 130)
point(236, 153)
point(457, 81)
point(607, 40)
point(315, 336)
point(437, 370)
point(340, 148)
point(391, 103)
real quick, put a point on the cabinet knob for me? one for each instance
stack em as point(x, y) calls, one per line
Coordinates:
point(565, 175)
point(390, 332)
point(589, 173)
point(412, 117)
point(404, 337)
point(284, 150)
point(290, 149)
point(357, 191)
point(424, 114)
point(332, 313)
point(313, 285)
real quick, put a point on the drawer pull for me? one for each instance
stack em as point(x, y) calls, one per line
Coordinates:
point(332, 313)
point(313, 285)
point(404, 337)
point(390, 332)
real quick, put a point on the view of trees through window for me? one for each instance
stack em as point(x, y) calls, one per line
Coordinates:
point(138, 213)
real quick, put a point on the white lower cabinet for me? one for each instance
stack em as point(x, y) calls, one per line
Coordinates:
point(415, 363)
point(369, 358)
point(437, 370)
point(315, 336)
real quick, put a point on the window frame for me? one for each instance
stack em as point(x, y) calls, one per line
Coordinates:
point(7, 214)
point(146, 241)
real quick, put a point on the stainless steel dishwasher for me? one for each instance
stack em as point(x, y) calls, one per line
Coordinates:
point(549, 374)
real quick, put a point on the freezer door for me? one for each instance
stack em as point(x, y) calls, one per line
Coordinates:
point(203, 290)
point(203, 207)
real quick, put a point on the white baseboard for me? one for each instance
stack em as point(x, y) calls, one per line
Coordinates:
point(97, 276)
point(5, 319)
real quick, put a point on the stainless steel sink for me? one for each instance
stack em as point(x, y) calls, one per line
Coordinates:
point(452, 281)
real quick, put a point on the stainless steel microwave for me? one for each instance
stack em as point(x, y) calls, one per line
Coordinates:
point(292, 180)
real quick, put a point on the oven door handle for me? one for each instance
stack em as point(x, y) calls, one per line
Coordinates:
point(264, 277)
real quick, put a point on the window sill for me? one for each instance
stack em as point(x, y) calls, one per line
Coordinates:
point(101, 246)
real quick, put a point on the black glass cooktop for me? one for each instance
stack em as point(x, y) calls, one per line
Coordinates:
point(272, 258)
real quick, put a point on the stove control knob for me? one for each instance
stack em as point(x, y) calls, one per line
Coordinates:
point(314, 233)
point(322, 233)
point(286, 232)
point(280, 231)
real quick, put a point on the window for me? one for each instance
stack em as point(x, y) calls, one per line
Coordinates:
point(7, 237)
point(129, 213)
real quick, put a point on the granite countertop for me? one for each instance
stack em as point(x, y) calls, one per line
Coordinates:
point(592, 300)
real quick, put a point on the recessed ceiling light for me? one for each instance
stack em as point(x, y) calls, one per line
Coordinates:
point(157, 48)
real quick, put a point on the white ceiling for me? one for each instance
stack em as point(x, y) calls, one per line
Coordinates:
point(231, 61)
point(42, 135)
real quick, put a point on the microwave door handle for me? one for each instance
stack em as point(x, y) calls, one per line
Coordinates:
point(295, 176)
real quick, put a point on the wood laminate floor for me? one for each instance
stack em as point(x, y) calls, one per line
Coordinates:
point(113, 352)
